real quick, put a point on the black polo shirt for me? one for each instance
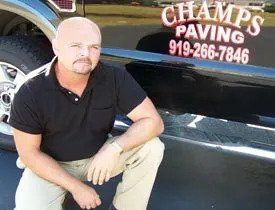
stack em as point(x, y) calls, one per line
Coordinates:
point(73, 127)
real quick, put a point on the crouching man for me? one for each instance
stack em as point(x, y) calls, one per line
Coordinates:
point(61, 117)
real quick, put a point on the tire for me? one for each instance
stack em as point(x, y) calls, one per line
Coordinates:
point(19, 55)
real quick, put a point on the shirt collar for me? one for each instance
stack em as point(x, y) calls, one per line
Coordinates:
point(97, 74)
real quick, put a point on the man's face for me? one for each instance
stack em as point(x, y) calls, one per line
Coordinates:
point(79, 48)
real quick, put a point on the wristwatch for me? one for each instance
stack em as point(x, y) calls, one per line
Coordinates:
point(116, 145)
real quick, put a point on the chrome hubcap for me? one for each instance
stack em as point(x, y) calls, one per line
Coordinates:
point(10, 76)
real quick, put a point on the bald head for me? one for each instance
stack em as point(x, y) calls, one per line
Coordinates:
point(76, 25)
point(77, 44)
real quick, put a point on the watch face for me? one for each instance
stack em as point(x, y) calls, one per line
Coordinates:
point(117, 146)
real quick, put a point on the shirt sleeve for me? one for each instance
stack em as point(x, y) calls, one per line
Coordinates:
point(24, 113)
point(128, 91)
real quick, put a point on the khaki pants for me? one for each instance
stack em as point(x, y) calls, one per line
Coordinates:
point(139, 167)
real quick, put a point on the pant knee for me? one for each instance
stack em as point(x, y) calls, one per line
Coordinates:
point(35, 193)
point(157, 148)
point(24, 202)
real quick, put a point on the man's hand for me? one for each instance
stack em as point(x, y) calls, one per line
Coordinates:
point(86, 196)
point(102, 164)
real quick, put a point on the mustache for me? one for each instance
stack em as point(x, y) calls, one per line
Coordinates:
point(85, 60)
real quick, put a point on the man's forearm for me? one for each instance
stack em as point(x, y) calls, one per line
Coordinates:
point(49, 169)
point(140, 132)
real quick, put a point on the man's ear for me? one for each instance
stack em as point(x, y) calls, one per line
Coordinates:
point(54, 46)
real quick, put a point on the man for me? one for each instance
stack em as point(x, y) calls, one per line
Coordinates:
point(61, 117)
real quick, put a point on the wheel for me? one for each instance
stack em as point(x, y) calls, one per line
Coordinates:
point(19, 55)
